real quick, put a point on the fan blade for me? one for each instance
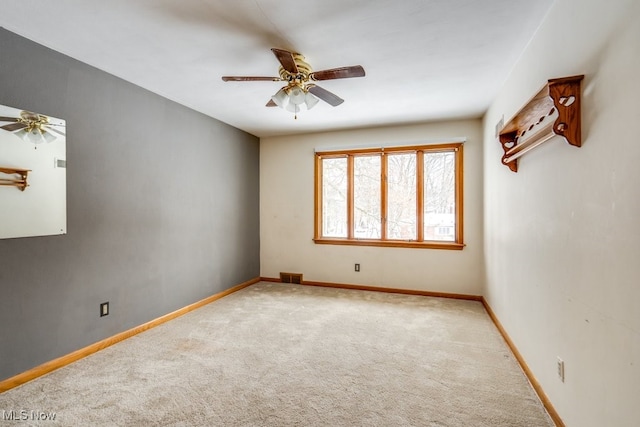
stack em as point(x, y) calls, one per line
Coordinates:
point(8, 119)
point(271, 104)
point(250, 79)
point(14, 126)
point(338, 73)
point(326, 96)
point(286, 60)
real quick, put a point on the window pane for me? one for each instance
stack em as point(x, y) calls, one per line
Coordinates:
point(334, 197)
point(401, 196)
point(439, 196)
point(366, 195)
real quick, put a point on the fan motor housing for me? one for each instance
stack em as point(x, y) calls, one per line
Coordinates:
point(304, 69)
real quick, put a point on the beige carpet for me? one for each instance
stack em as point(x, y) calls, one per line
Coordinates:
point(290, 355)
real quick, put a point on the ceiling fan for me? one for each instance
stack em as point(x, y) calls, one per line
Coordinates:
point(300, 88)
point(33, 127)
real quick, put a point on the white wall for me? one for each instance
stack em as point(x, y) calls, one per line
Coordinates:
point(287, 215)
point(562, 236)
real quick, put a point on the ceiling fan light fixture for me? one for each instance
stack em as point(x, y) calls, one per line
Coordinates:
point(281, 98)
point(296, 95)
point(310, 100)
point(294, 108)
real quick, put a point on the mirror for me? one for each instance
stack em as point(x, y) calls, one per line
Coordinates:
point(33, 194)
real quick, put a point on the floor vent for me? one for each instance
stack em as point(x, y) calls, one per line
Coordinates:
point(291, 278)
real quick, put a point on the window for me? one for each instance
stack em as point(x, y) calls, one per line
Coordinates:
point(401, 196)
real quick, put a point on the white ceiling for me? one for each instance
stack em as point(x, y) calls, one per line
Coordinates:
point(425, 59)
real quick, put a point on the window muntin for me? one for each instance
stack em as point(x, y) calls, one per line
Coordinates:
point(402, 196)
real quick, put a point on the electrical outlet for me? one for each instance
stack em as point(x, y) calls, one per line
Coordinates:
point(104, 309)
point(357, 267)
point(560, 367)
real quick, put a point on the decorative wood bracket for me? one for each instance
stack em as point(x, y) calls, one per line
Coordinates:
point(21, 182)
point(534, 124)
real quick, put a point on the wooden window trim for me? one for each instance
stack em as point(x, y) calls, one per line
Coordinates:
point(457, 244)
point(384, 168)
point(420, 195)
point(350, 196)
point(430, 244)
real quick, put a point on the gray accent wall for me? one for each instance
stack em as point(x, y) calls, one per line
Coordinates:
point(162, 209)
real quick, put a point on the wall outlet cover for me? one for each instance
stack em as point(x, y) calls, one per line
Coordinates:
point(560, 367)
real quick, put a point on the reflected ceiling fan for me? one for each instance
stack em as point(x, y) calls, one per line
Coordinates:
point(300, 88)
point(34, 127)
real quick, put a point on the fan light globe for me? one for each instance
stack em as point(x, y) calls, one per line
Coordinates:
point(294, 108)
point(296, 95)
point(280, 98)
point(310, 100)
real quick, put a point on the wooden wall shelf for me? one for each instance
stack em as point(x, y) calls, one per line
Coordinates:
point(554, 110)
point(20, 182)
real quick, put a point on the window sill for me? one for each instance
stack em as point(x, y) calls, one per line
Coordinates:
point(392, 243)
